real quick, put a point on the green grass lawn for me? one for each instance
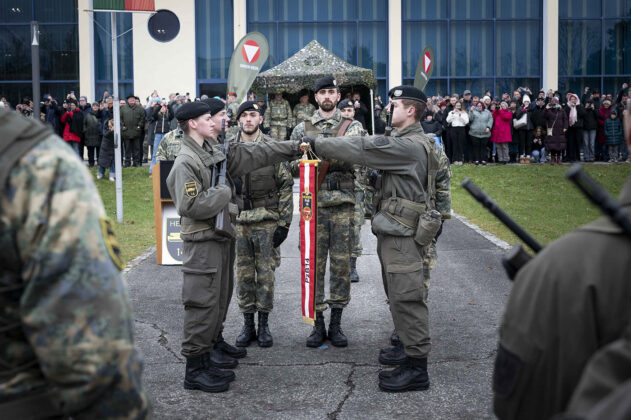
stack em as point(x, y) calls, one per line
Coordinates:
point(538, 197)
point(137, 233)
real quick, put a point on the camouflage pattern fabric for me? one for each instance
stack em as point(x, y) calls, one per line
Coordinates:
point(256, 263)
point(60, 250)
point(334, 240)
point(278, 118)
point(170, 145)
point(304, 68)
point(358, 213)
point(303, 112)
point(231, 110)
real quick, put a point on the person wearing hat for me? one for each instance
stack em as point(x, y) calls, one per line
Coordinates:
point(405, 224)
point(336, 203)
point(208, 255)
point(304, 109)
point(556, 125)
point(613, 135)
point(133, 121)
point(278, 118)
point(262, 226)
point(232, 106)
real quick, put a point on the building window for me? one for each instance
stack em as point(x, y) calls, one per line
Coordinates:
point(103, 54)
point(354, 30)
point(214, 45)
point(59, 48)
point(594, 42)
point(479, 45)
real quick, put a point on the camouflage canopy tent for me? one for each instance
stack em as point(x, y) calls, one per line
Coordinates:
point(312, 62)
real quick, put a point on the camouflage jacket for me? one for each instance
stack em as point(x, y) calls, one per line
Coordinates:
point(303, 112)
point(442, 196)
point(170, 145)
point(278, 113)
point(284, 183)
point(337, 169)
point(77, 323)
point(232, 110)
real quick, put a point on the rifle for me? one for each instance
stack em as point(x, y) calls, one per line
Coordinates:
point(388, 130)
point(223, 222)
point(597, 195)
point(517, 257)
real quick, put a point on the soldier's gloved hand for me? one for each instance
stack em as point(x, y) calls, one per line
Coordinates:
point(311, 143)
point(280, 234)
point(238, 185)
point(372, 178)
point(440, 229)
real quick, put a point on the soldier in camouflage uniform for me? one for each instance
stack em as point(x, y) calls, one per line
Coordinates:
point(66, 330)
point(304, 109)
point(169, 146)
point(231, 109)
point(261, 227)
point(336, 202)
point(278, 117)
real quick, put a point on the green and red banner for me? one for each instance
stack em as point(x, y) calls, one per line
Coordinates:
point(308, 236)
point(125, 5)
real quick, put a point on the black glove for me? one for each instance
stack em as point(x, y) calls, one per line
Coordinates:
point(372, 178)
point(311, 143)
point(440, 229)
point(280, 234)
point(238, 185)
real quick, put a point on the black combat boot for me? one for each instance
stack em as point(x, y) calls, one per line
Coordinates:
point(248, 332)
point(227, 375)
point(198, 377)
point(318, 334)
point(392, 356)
point(232, 351)
point(354, 275)
point(411, 376)
point(264, 337)
point(337, 337)
point(394, 339)
point(221, 360)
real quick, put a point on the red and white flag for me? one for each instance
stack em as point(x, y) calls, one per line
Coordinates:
point(308, 236)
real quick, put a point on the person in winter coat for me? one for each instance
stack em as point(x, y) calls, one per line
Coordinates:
point(589, 115)
point(573, 135)
point(501, 133)
point(92, 133)
point(524, 127)
point(106, 153)
point(162, 116)
point(72, 119)
point(480, 125)
point(556, 125)
point(133, 119)
point(601, 148)
point(458, 119)
point(432, 127)
point(536, 114)
point(613, 134)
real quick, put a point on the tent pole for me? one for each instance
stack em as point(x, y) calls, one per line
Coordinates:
point(372, 111)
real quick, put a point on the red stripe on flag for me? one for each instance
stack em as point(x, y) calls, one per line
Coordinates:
point(308, 238)
point(140, 5)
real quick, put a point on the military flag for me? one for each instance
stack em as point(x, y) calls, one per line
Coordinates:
point(247, 60)
point(308, 236)
point(125, 5)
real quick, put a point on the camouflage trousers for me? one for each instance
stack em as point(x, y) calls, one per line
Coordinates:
point(429, 262)
point(257, 260)
point(279, 132)
point(358, 221)
point(334, 241)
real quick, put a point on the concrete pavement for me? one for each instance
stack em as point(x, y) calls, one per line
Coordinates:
point(291, 381)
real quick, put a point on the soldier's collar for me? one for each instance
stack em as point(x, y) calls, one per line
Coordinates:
point(317, 117)
point(204, 155)
point(413, 128)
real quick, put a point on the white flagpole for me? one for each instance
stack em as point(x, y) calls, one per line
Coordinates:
point(117, 129)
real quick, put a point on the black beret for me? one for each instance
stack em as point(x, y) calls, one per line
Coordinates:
point(215, 105)
point(248, 106)
point(325, 83)
point(190, 110)
point(407, 92)
point(345, 103)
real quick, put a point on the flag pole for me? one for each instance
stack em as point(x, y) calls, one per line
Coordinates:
point(117, 129)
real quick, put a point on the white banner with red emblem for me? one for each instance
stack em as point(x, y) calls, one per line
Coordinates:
point(308, 236)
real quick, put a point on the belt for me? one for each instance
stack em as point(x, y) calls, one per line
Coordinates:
point(334, 184)
point(267, 202)
point(404, 211)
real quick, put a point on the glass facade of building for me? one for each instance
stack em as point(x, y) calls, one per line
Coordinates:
point(594, 43)
point(354, 30)
point(59, 48)
point(214, 45)
point(103, 54)
point(479, 44)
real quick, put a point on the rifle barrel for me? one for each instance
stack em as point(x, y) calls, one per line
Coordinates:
point(497, 211)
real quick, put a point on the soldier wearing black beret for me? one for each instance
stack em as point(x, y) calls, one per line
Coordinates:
point(218, 115)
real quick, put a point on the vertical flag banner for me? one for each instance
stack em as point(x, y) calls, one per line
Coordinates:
point(308, 236)
point(425, 68)
point(247, 60)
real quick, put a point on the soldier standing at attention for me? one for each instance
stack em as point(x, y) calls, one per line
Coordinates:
point(565, 338)
point(231, 107)
point(336, 202)
point(261, 227)
point(278, 118)
point(208, 256)
point(404, 224)
point(304, 109)
point(66, 335)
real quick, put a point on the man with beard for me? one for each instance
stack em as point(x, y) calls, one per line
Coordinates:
point(336, 203)
point(261, 227)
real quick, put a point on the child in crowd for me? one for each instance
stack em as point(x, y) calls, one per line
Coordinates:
point(613, 135)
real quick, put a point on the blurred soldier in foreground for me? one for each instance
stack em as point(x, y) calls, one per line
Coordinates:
point(209, 253)
point(261, 227)
point(278, 118)
point(405, 223)
point(336, 201)
point(66, 343)
point(565, 339)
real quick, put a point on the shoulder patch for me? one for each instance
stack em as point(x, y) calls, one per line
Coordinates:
point(190, 189)
point(382, 141)
point(111, 243)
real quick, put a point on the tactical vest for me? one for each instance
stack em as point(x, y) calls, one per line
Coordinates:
point(260, 189)
point(340, 174)
point(279, 110)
